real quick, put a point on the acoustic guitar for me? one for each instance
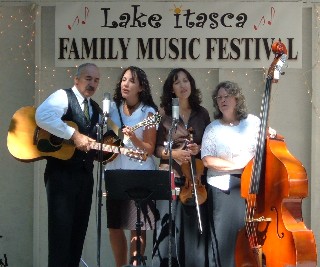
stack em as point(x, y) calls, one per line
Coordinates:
point(27, 142)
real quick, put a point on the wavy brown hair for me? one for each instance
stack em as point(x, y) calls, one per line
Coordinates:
point(234, 89)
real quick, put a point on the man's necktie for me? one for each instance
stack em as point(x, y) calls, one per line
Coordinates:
point(86, 109)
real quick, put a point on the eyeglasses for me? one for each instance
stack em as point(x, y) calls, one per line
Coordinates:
point(221, 97)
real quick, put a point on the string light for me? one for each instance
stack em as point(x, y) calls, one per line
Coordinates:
point(23, 51)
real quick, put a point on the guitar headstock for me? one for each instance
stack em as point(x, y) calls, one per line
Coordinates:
point(280, 51)
point(150, 121)
point(136, 154)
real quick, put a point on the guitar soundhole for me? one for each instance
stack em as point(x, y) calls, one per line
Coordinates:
point(110, 138)
point(55, 141)
point(108, 157)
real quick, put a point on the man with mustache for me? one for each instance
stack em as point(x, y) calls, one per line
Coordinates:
point(69, 183)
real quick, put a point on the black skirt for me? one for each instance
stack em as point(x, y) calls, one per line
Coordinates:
point(226, 212)
point(189, 248)
point(122, 214)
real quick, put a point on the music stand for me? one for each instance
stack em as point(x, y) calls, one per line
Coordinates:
point(140, 186)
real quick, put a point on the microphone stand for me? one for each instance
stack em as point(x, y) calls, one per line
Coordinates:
point(100, 127)
point(169, 148)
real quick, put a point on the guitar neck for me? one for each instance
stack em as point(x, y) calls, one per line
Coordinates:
point(150, 121)
point(137, 126)
point(134, 154)
point(108, 148)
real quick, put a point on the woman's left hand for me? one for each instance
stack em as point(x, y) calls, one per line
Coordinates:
point(128, 132)
point(272, 132)
point(193, 148)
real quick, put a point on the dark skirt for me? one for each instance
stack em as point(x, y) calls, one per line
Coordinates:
point(188, 246)
point(122, 214)
point(226, 214)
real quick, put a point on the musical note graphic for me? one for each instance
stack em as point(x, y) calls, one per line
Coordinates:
point(86, 14)
point(273, 12)
point(75, 22)
point(262, 21)
point(77, 19)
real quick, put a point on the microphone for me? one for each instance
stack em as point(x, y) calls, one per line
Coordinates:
point(106, 104)
point(175, 120)
point(175, 109)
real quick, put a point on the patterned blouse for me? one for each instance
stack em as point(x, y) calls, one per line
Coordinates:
point(198, 121)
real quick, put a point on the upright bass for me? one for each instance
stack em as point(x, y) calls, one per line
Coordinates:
point(273, 185)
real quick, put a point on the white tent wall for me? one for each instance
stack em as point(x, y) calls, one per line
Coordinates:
point(16, 182)
point(28, 75)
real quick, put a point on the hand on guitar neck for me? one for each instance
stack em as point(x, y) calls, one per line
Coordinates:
point(81, 141)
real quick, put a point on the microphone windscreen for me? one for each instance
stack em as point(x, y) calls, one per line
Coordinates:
point(106, 103)
point(175, 108)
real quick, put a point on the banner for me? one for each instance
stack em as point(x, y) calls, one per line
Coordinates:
point(177, 34)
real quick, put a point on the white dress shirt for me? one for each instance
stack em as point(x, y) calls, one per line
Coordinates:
point(48, 114)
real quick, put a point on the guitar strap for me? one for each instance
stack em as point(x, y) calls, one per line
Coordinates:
point(121, 121)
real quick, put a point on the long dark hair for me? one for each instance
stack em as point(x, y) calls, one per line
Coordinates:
point(234, 89)
point(167, 94)
point(144, 96)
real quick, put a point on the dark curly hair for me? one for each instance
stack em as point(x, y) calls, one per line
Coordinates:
point(167, 94)
point(232, 88)
point(144, 96)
